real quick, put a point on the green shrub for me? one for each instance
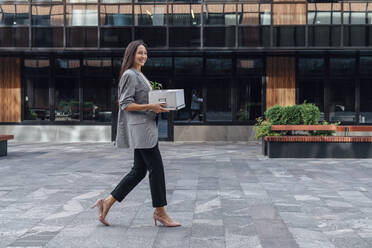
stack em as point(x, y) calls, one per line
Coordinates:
point(263, 128)
point(274, 115)
point(291, 115)
point(309, 114)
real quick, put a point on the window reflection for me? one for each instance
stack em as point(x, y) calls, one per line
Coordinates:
point(324, 13)
point(220, 14)
point(116, 15)
point(366, 100)
point(218, 101)
point(356, 13)
point(82, 15)
point(188, 65)
point(14, 37)
point(311, 66)
point(342, 100)
point(249, 66)
point(219, 36)
point(97, 100)
point(254, 14)
point(97, 66)
point(81, 37)
point(185, 14)
point(150, 15)
point(184, 36)
point(116, 37)
point(67, 67)
point(219, 66)
point(36, 101)
point(47, 37)
point(47, 15)
point(67, 99)
point(342, 66)
point(312, 91)
point(249, 99)
point(16, 14)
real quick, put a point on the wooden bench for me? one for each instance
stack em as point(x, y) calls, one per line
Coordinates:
point(4, 144)
point(302, 146)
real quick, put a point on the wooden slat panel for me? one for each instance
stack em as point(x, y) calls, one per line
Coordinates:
point(289, 14)
point(10, 90)
point(280, 82)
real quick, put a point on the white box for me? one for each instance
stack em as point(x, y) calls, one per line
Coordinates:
point(174, 99)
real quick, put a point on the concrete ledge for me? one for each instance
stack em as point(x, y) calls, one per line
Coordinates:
point(214, 133)
point(58, 133)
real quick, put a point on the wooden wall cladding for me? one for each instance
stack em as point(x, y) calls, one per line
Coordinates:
point(10, 90)
point(289, 14)
point(280, 81)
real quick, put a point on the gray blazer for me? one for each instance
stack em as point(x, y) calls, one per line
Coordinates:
point(135, 129)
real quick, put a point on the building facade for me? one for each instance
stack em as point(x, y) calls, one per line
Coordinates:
point(60, 60)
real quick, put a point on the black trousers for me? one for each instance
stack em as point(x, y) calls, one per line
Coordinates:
point(145, 160)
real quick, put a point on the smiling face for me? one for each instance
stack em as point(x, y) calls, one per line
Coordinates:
point(140, 57)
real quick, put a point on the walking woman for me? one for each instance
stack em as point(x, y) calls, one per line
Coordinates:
point(137, 129)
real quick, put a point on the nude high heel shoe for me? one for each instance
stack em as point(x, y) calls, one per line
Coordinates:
point(99, 204)
point(164, 222)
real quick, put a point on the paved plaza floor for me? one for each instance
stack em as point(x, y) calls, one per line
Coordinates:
point(224, 194)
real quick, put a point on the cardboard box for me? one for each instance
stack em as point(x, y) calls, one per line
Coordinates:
point(174, 99)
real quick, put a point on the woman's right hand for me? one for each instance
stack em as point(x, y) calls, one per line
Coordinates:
point(158, 107)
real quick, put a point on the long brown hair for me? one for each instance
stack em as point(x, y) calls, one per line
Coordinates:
point(130, 52)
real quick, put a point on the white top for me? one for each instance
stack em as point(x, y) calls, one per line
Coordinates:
point(146, 80)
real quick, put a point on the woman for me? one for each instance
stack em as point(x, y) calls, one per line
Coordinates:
point(137, 129)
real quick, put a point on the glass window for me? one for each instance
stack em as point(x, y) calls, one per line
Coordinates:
point(81, 37)
point(81, 1)
point(37, 67)
point(249, 66)
point(219, 36)
point(311, 90)
point(67, 99)
point(81, 15)
point(158, 66)
point(70, 67)
point(116, 15)
point(16, 14)
point(218, 102)
point(45, 1)
point(342, 66)
point(287, 36)
point(188, 65)
point(254, 36)
point(218, 66)
point(116, 37)
point(220, 14)
point(249, 100)
point(311, 66)
point(355, 35)
point(153, 15)
point(365, 67)
point(322, 36)
point(365, 101)
point(152, 36)
point(184, 14)
point(193, 90)
point(47, 37)
point(184, 36)
point(44, 15)
point(97, 100)
point(357, 13)
point(342, 100)
point(13, 37)
point(97, 66)
point(116, 1)
point(324, 13)
point(254, 14)
point(36, 101)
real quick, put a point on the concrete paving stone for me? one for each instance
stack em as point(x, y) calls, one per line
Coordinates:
point(210, 242)
point(173, 237)
point(272, 229)
point(224, 194)
point(279, 243)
